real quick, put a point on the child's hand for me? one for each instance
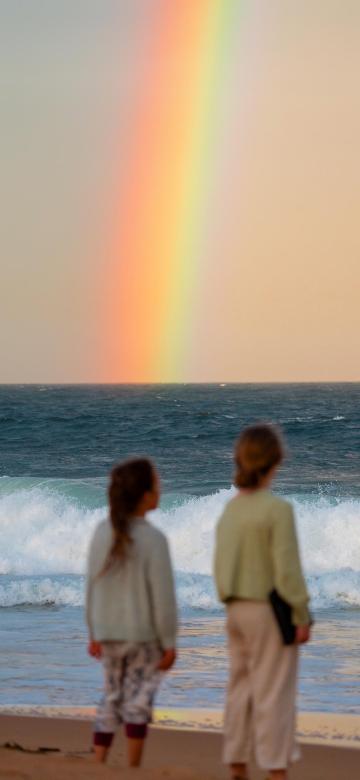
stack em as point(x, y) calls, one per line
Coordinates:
point(94, 649)
point(302, 634)
point(168, 659)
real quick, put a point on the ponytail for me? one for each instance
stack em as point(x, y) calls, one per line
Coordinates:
point(128, 483)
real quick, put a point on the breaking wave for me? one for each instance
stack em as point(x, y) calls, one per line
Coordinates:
point(45, 529)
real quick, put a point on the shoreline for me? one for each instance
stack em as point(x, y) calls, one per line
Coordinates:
point(316, 728)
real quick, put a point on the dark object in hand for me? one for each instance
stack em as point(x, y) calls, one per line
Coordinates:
point(282, 612)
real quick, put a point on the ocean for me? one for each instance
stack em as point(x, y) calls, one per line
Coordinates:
point(58, 444)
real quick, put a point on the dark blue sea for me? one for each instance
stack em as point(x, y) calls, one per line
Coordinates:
point(58, 444)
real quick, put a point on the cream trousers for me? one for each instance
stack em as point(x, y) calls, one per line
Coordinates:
point(260, 706)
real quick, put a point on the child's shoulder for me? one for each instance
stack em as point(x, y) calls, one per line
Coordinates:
point(102, 530)
point(264, 499)
point(227, 514)
point(281, 509)
point(150, 537)
point(231, 507)
point(279, 501)
point(151, 531)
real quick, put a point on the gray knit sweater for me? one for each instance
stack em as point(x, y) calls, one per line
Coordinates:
point(134, 600)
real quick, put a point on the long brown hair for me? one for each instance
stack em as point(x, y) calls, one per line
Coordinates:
point(129, 481)
point(258, 449)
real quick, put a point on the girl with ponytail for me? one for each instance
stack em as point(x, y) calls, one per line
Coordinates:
point(130, 607)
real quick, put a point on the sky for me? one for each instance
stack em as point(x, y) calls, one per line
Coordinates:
point(180, 191)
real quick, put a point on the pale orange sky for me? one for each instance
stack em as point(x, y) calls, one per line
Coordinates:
point(293, 311)
point(279, 285)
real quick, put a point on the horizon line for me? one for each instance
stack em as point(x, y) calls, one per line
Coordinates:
point(217, 383)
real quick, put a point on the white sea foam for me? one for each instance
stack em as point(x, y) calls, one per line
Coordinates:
point(44, 591)
point(42, 532)
point(44, 538)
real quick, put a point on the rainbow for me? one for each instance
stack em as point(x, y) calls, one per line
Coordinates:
point(153, 276)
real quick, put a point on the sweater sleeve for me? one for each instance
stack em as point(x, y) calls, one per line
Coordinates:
point(88, 607)
point(225, 560)
point(162, 591)
point(289, 580)
point(88, 587)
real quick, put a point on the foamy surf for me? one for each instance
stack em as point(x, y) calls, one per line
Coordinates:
point(45, 531)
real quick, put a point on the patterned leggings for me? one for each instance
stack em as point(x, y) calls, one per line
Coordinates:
point(131, 681)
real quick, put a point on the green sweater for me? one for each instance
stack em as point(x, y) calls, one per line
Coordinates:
point(257, 550)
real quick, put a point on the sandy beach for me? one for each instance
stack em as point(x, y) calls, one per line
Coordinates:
point(37, 748)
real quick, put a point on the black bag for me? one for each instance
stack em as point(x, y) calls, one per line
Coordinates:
point(282, 612)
